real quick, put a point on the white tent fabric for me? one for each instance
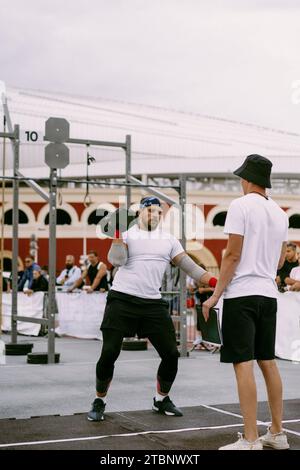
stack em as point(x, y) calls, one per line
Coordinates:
point(164, 141)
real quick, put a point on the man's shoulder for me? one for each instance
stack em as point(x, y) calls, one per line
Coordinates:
point(238, 203)
point(133, 229)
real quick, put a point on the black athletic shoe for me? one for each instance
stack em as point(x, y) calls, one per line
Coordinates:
point(97, 411)
point(166, 407)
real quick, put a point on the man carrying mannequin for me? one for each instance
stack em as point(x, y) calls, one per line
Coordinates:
point(134, 303)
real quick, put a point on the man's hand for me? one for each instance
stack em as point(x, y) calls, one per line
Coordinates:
point(28, 292)
point(295, 287)
point(89, 290)
point(208, 304)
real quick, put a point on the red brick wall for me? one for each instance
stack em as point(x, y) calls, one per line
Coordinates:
point(208, 208)
point(79, 207)
point(216, 247)
point(36, 207)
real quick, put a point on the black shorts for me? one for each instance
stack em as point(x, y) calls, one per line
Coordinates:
point(137, 316)
point(248, 328)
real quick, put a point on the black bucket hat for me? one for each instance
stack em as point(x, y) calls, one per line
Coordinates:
point(257, 170)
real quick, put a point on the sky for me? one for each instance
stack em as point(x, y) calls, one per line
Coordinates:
point(234, 59)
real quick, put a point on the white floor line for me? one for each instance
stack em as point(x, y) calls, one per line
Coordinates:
point(288, 431)
point(262, 423)
point(222, 411)
point(290, 421)
point(14, 366)
point(142, 433)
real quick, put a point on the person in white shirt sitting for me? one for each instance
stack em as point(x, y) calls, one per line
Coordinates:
point(294, 280)
point(70, 274)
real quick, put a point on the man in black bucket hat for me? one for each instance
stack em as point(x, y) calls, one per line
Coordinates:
point(258, 231)
point(256, 169)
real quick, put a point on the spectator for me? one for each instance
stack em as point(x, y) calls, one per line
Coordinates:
point(5, 284)
point(45, 272)
point(170, 283)
point(96, 274)
point(70, 274)
point(202, 293)
point(39, 283)
point(293, 277)
point(293, 280)
point(111, 274)
point(291, 261)
point(27, 277)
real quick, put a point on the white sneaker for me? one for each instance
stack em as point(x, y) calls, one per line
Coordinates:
point(276, 441)
point(243, 444)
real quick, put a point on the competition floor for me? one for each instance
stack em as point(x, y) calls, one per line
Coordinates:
point(44, 407)
point(203, 427)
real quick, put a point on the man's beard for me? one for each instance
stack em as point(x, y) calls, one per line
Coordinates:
point(152, 226)
point(69, 266)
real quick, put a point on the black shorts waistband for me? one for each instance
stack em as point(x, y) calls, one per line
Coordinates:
point(133, 298)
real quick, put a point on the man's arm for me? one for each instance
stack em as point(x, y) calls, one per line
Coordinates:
point(282, 256)
point(184, 262)
point(61, 277)
point(295, 287)
point(22, 281)
point(289, 281)
point(228, 266)
point(100, 274)
point(78, 282)
point(229, 263)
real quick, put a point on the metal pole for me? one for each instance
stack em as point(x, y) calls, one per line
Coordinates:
point(153, 191)
point(183, 312)
point(2, 224)
point(128, 170)
point(52, 266)
point(15, 242)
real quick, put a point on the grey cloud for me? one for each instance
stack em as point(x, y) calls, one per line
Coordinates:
point(234, 59)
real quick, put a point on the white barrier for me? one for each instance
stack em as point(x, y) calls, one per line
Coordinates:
point(28, 306)
point(80, 314)
point(288, 326)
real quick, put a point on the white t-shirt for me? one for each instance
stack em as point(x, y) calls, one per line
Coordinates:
point(264, 226)
point(149, 253)
point(295, 273)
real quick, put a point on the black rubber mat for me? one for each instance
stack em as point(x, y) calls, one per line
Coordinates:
point(118, 431)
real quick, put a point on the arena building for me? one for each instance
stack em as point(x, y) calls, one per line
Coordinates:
point(165, 144)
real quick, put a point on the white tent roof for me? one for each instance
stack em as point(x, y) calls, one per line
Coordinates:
point(164, 141)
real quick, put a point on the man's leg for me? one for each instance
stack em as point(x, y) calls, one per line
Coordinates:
point(274, 389)
point(248, 397)
point(168, 352)
point(275, 436)
point(112, 344)
point(165, 345)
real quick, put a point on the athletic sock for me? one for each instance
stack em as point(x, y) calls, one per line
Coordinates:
point(102, 398)
point(159, 397)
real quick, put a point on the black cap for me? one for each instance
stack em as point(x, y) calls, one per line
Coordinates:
point(257, 170)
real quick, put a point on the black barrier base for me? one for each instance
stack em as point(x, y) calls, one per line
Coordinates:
point(18, 349)
point(40, 358)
